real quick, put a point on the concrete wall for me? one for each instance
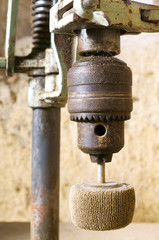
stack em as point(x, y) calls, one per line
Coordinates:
point(137, 163)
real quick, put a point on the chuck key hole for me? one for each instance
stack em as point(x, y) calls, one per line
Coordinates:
point(100, 130)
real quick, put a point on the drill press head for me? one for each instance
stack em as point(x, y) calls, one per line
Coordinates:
point(100, 100)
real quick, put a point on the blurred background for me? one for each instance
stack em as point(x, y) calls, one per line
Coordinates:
point(138, 161)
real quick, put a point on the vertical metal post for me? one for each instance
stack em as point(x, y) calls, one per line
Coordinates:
point(45, 174)
point(45, 144)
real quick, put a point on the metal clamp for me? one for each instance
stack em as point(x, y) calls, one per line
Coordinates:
point(52, 67)
point(70, 15)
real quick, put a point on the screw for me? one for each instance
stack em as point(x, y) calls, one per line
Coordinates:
point(89, 4)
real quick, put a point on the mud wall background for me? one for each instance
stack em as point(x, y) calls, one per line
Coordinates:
point(137, 163)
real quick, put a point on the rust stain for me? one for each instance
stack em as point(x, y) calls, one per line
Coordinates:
point(127, 2)
point(130, 23)
point(99, 1)
point(39, 212)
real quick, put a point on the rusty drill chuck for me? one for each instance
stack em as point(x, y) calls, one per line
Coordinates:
point(100, 100)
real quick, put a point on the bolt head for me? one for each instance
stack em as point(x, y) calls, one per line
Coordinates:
point(89, 4)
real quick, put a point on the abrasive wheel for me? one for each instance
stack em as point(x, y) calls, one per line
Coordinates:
point(102, 206)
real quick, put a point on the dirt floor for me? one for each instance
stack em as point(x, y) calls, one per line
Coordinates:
point(140, 231)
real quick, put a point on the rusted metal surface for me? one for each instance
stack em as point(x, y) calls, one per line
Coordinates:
point(100, 89)
point(101, 145)
point(99, 40)
point(27, 64)
point(68, 16)
point(151, 16)
point(58, 59)
point(45, 174)
point(46, 135)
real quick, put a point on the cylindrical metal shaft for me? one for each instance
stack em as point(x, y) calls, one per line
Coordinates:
point(101, 172)
point(45, 174)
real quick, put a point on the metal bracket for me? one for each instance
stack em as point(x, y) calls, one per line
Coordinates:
point(53, 66)
point(56, 79)
point(70, 15)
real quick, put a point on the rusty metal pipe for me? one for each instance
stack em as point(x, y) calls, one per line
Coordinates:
point(45, 141)
point(45, 174)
